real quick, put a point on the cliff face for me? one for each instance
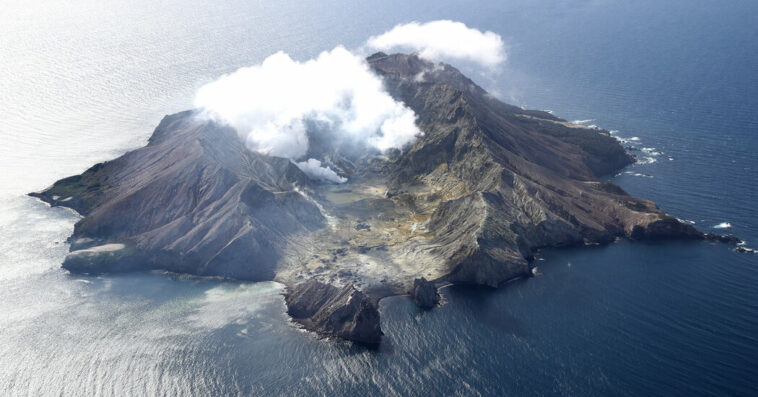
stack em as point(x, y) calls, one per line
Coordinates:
point(468, 202)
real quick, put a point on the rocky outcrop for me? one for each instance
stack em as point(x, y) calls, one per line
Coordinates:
point(665, 229)
point(335, 312)
point(424, 293)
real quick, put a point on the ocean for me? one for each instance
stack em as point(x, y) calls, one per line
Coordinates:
point(85, 81)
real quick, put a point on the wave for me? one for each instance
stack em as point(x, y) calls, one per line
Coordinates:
point(633, 140)
point(582, 122)
point(723, 225)
point(621, 140)
point(646, 160)
point(638, 174)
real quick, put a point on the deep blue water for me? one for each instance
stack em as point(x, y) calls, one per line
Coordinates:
point(82, 83)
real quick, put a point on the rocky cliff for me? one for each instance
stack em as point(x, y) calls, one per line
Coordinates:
point(469, 202)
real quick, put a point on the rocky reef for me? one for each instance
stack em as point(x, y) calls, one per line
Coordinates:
point(468, 202)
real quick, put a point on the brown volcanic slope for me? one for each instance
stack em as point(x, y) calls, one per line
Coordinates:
point(468, 202)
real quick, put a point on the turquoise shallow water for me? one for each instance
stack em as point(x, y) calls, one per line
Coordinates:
point(82, 83)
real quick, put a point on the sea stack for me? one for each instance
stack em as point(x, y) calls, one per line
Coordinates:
point(424, 293)
point(330, 311)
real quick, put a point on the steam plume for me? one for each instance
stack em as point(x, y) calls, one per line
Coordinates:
point(443, 40)
point(271, 104)
point(315, 170)
point(281, 105)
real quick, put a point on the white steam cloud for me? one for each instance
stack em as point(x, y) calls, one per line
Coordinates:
point(313, 169)
point(272, 104)
point(444, 39)
point(282, 107)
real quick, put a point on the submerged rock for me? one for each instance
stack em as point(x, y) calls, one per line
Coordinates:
point(335, 312)
point(424, 293)
point(723, 239)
